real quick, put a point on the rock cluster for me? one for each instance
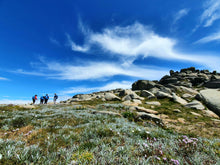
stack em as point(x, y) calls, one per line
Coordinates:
point(189, 87)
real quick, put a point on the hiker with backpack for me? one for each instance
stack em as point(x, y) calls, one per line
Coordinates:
point(34, 98)
point(42, 98)
point(46, 99)
point(55, 98)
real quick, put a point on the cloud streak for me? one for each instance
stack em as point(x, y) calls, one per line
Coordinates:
point(137, 40)
point(109, 86)
point(3, 78)
point(93, 71)
point(210, 38)
point(180, 14)
point(211, 12)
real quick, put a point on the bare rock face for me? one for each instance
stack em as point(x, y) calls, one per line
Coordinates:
point(211, 98)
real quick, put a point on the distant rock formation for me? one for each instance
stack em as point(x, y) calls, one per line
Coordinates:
point(182, 87)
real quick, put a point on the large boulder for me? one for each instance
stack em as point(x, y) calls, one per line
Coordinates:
point(111, 97)
point(143, 85)
point(211, 98)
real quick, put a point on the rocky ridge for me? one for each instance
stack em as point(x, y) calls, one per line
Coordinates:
point(197, 90)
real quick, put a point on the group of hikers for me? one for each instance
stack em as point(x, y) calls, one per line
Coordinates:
point(44, 99)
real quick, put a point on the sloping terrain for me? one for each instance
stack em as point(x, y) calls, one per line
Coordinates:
point(171, 121)
point(76, 134)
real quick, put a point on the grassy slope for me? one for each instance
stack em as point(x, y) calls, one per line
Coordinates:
point(62, 134)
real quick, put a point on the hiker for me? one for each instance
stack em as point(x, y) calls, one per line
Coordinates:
point(55, 98)
point(46, 99)
point(34, 98)
point(42, 98)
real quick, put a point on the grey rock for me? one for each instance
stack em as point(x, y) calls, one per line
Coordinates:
point(196, 114)
point(142, 109)
point(187, 95)
point(127, 97)
point(137, 101)
point(210, 114)
point(161, 95)
point(125, 92)
point(148, 94)
point(188, 90)
point(178, 99)
point(154, 90)
point(111, 97)
point(106, 113)
point(143, 85)
point(157, 103)
point(195, 105)
point(148, 116)
point(177, 110)
point(213, 84)
point(211, 98)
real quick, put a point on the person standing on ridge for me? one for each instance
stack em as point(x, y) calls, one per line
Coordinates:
point(55, 98)
point(34, 98)
point(42, 99)
point(46, 99)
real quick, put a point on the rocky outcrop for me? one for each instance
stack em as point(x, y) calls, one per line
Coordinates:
point(188, 77)
point(181, 87)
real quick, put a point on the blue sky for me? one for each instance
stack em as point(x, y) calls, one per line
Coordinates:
point(81, 46)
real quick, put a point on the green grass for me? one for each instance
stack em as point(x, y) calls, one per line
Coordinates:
point(62, 134)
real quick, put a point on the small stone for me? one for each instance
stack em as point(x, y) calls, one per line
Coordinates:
point(177, 110)
point(156, 103)
point(196, 114)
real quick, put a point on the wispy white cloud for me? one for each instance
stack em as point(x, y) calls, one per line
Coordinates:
point(211, 12)
point(93, 71)
point(180, 14)
point(109, 86)
point(3, 78)
point(137, 40)
point(210, 38)
point(76, 47)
